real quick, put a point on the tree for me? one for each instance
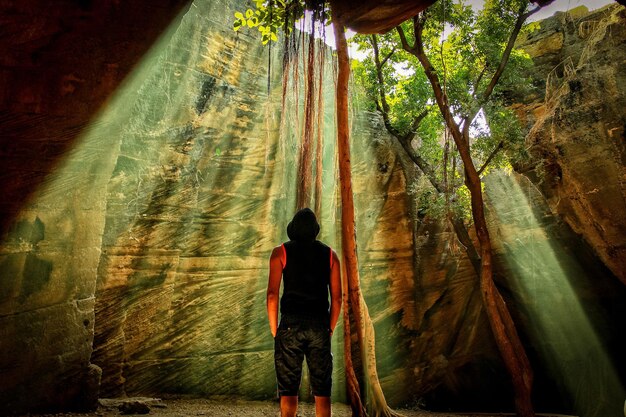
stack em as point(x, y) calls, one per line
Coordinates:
point(480, 48)
point(470, 92)
point(264, 18)
point(410, 92)
point(397, 87)
point(471, 63)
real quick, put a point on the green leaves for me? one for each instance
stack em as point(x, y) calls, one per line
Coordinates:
point(269, 16)
point(250, 19)
point(465, 47)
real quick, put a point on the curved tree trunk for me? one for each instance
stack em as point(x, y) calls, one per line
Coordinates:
point(502, 325)
point(377, 404)
point(500, 321)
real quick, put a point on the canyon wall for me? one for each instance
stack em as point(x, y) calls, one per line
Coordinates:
point(147, 179)
point(560, 242)
point(59, 67)
point(142, 206)
point(576, 121)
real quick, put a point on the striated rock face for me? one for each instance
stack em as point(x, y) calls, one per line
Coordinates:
point(151, 226)
point(59, 65)
point(146, 227)
point(203, 188)
point(577, 119)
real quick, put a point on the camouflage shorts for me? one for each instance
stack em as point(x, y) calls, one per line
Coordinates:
point(295, 341)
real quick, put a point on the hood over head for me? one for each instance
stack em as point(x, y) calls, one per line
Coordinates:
point(303, 227)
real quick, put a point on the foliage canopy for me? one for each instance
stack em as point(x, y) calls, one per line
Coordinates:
point(268, 16)
point(465, 47)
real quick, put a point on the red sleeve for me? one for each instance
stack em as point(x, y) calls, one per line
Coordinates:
point(332, 260)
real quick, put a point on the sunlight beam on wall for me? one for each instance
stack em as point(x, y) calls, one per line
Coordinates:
point(544, 282)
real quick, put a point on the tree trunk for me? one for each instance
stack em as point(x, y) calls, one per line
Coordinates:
point(305, 160)
point(500, 320)
point(501, 323)
point(502, 326)
point(365, 330)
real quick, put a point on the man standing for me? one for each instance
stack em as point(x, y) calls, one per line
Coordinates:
point(310, 271)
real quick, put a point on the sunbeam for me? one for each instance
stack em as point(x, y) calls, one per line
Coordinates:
point(546, 281)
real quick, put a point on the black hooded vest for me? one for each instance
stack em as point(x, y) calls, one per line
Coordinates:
point(306, 278)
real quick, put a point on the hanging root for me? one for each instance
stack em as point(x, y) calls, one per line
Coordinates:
point(594, 31)
point(377, 404)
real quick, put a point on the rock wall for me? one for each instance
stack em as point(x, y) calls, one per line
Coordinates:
point(59, 66)
point(153, 222)
point(148, 221)
point(576, 120)
point(203, 187)
point(567, 275)
point(202, 190)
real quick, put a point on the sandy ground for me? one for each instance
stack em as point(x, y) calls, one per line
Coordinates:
point(212, 408)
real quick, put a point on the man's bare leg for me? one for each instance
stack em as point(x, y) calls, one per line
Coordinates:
point(288, 405)
point(322, 406)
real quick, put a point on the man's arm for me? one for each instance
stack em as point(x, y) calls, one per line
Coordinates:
point(273, 288)
point(335, 292)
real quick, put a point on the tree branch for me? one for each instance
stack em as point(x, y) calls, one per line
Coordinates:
point(535, 10)
point(394, 132)
point(405, 44)
point(384, 61)
point(414, 126)
point(440, 98)
point(379, 75)
point(422, 164)
point(491, 156)
point(467, 122)
point(521, 17)
point(383, 107)
point(478, 80)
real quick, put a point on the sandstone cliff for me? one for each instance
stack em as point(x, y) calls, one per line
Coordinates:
point(576, 120)
point(143, 230)
point(59, 66)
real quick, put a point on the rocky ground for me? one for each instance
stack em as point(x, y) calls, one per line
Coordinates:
point(230, 408)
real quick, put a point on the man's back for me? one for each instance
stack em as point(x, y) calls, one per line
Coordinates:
point(310, 271)
point(306, 278)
